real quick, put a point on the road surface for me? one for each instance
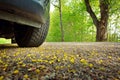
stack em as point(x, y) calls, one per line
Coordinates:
point(61, 61)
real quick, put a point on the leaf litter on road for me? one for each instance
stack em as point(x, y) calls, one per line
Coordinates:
point(50, 62)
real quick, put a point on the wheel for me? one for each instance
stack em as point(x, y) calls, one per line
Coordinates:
point(27, 36)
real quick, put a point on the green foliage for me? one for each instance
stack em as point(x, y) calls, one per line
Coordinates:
point(114, 26)
point(77, 23)
point(54, 31)
point(75, 19)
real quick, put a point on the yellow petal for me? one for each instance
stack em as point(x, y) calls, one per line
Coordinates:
point(16, 72)
point(1, 77)
point(26, 76)
point(37, 71)
point(90, 65)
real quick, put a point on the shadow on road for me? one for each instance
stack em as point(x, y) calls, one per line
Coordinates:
point(5, 46)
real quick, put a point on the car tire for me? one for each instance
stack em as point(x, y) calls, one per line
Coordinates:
point(27, 36)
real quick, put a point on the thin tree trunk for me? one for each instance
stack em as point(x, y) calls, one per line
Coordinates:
point(61, 25)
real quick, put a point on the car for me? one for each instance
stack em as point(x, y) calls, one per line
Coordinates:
point(26, 21)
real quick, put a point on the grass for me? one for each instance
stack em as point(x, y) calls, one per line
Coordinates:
point(5, 41)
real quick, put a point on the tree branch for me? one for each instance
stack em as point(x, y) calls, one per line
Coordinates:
point(55, 5)
point(104, 11)
point(90, 11)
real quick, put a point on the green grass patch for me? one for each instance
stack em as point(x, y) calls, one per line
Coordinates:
point(5, 41)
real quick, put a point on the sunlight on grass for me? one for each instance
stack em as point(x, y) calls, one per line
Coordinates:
point(5, 41)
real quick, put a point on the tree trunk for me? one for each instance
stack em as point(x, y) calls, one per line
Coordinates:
point(101, 34)
point(101, 25)
point(61, 26)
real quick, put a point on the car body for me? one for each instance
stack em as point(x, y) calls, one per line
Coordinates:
point(20, 17)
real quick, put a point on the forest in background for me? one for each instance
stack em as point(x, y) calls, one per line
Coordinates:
point(77, 25)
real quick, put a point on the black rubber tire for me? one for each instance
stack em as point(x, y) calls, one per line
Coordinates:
point(27, 36)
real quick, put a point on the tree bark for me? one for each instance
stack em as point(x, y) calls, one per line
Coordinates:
point(101, 25)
